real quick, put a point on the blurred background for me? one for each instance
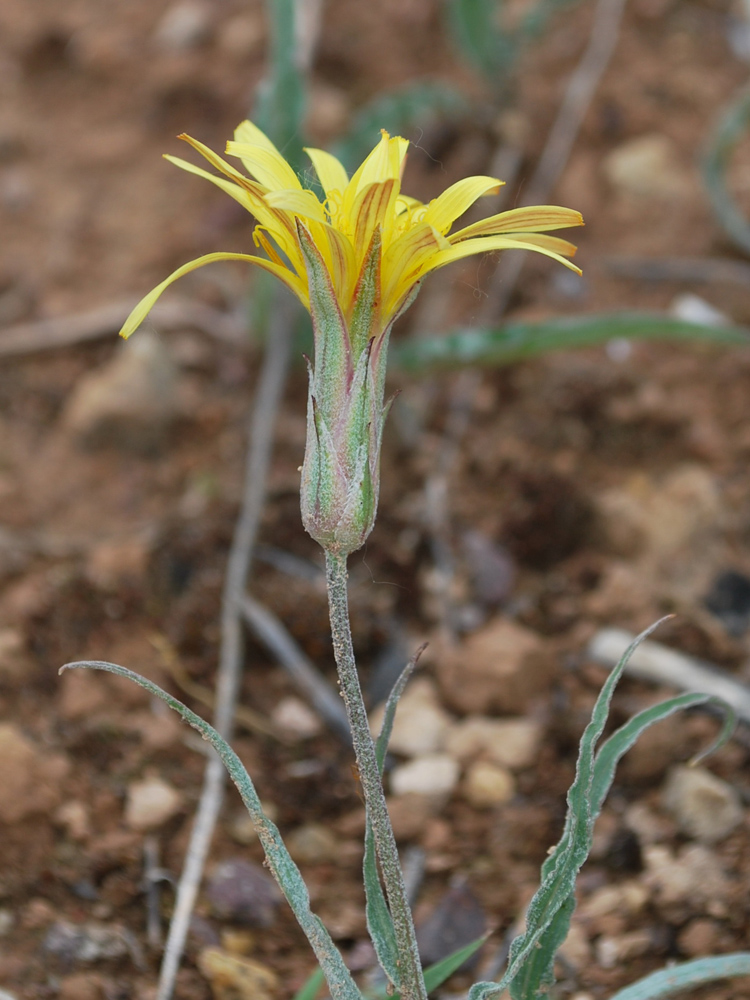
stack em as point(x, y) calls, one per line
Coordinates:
point(565, 454)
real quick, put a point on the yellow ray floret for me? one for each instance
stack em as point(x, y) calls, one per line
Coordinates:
point(416, 238)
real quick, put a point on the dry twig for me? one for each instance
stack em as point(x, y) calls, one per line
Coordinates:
point(721, 270)
point(268, 395)
point(655, 662)
point(62, 331)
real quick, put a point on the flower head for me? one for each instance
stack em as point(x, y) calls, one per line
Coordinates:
point(342, 217)
point(354, 252)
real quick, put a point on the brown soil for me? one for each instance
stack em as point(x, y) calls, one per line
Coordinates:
point(616, 486)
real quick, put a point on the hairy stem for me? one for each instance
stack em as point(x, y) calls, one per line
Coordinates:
point(412, 986)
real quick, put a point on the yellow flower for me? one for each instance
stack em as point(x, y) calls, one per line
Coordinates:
point(415, 238)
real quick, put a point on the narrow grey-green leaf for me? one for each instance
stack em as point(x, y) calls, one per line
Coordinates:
point(623, 739)
point(560, 870)
point(536, 975)
point(485, 991)
point(436, 974)
point(688, 976)
point(732, 127)
point(379, 921)
point(279, 861)
point(389, 714)
point(517, 341)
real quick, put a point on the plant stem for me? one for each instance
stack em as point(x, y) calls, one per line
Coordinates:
point(412, 985)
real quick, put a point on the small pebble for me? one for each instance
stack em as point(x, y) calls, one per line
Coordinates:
point(512, 743)
point(648, 166)
point(151, 803)
point(488, 785)
point(434, 774)
point(704, 806)
point(693, 309)
point(501, 668)
point(410, 814)
point(32, 776)
point(699, 937)
point(184, 26)
point(613, 951)
point(85, 942)
point(691, 881)
point(235, 978)
point(73, 816)
point(241, 892)
point(576, 948)
point(313, 844)
point(131, 402)
point(81, 986)
point(295, 719)
point(14, 660)
point(421, 724)
point(457, 920)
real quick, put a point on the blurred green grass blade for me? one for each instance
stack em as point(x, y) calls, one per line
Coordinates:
point(280, 103)
point(688, 976)
point(278, 859)
point(435, 975)
point(397, 111)
point(474, 26)
point(733, 126)
point(311, 987)
point(518, 341)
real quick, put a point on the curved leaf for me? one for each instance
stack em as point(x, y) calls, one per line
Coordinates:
point(530, 970)
point(687, 976)
point(279, 861)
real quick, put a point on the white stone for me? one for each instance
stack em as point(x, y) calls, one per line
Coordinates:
point(513, 743)
point(313, 844)
point(624, 898)
point(694, 878)
point(183, 26)
point(693, 309)
point(151, 803)
point(648, 166)
point(576, 948)
point(488, 785)
point(420, 725)
point(433, 774)
point(131, 402)
point(614, 950)
point(704, 806)
point(295, 718)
